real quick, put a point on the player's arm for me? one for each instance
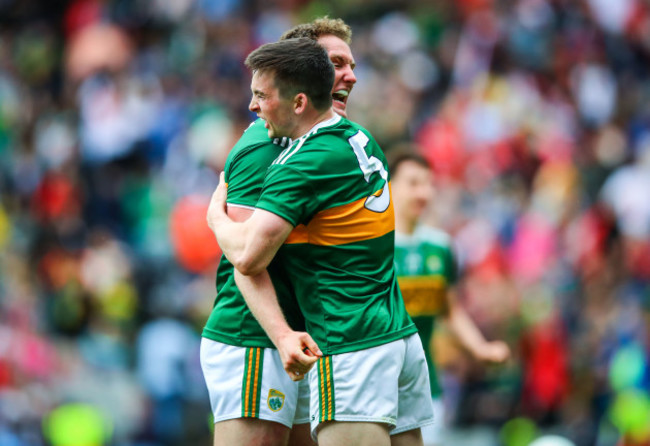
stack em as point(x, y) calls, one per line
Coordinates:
point(249, 245)
point(297, 349)
point(237, 213)
point(469, 335)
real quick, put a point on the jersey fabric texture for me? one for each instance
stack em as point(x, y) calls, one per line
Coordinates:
point(231, 322)
point(332, 185)
point(426, 267)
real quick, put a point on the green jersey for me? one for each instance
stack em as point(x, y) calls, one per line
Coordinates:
point(332, 185)
point(426, 268)
point(231, 322)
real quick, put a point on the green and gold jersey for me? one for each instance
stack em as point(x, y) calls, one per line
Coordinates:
point(231, 322)
point(332, 185)
point(426, 268)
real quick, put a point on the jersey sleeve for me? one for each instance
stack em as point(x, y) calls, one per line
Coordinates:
point(288, 193)
point(243, 183)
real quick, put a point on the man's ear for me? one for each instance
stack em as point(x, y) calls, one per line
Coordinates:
point(300, 102)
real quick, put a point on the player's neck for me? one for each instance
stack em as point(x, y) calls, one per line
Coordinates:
point(405, 225)
point(312, 120)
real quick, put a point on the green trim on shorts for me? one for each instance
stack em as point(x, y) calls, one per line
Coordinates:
point(251, 388)
point(326, 389)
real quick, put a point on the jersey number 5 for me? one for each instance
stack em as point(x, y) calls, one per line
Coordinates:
point(375, 203)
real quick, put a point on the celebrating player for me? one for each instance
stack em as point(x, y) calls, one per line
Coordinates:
point(250, 394)
point(427, 275)
point(330, 191)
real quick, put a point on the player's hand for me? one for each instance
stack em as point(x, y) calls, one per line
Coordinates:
point(217, 208)
point(494, 351)
point(298, 352)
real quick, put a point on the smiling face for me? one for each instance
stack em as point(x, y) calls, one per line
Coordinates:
point(344, 78)
point(271, 106)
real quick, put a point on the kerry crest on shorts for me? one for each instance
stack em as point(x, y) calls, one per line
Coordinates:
point(275, 400)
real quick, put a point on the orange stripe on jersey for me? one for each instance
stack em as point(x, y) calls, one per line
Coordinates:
point(424, 295)
point(348, 223)
point(298, 235)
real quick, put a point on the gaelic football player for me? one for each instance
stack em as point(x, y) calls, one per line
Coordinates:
point(427, 275)
point(326, 201)
point(251, 395)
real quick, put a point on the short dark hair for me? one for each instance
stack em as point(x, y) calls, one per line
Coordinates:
point(299, 66)
point(321, 26)
point(403, 157)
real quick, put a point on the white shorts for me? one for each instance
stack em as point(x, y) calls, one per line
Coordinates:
point(249, 382)
point(433, 434)
point(385, 384)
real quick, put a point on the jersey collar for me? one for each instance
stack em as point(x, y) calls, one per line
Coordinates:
point(328, 122)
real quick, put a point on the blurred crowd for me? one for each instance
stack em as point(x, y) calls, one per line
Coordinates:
point(115, 120)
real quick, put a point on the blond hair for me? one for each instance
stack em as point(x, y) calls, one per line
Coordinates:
point(321, 26)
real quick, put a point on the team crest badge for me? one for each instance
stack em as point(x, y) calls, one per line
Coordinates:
point(434, 264)
point(275, 400)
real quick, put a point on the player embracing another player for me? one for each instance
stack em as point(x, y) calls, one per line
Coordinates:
point(325, 217)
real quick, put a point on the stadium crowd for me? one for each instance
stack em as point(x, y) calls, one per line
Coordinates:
point(116, 118)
